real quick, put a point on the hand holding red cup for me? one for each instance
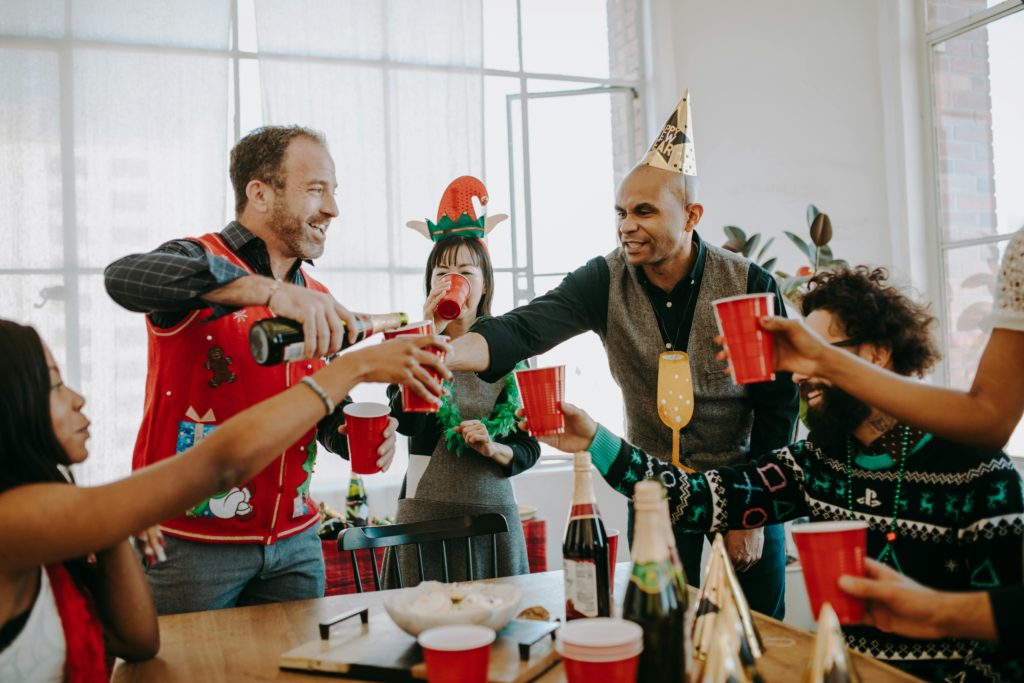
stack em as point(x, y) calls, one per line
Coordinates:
point(542, 391)
point(751, 347)
point(411, 401)
point(827, 551)
point(454, 301)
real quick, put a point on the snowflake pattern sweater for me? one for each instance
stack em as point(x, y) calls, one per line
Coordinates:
point(960, 523)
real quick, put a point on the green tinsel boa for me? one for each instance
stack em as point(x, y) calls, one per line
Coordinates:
point(500, 423)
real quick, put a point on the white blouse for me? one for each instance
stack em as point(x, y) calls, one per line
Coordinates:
point(37, 653)
point(1009, 307)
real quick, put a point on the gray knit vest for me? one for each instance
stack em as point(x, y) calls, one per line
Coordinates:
point(719, 433)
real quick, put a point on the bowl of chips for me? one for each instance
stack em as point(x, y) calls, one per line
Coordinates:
point(432, 603)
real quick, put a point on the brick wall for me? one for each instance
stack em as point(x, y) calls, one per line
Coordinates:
point(625, 60)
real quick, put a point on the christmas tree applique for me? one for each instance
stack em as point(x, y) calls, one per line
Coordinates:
point(888, 556)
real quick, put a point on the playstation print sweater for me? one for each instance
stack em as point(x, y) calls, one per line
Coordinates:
point(957, 525)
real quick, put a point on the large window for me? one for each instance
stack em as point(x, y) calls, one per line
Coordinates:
point(116, 120)
point(976, 50)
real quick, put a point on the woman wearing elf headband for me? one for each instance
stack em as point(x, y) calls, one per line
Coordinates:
point(461, 458)
point(71, 587)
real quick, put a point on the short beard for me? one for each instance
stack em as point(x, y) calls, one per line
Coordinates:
point(837, 416)
point(291, 231)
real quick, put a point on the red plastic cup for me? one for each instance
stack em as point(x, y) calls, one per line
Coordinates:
point(613, 551)
point(457, 654)
point(751, 348)
point(364, 425)
point(543, 390)
point(451, 305)
point(411, 401)
point(827, 551)
point(600, 649)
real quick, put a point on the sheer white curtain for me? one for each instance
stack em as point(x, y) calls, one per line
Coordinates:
point(397, 87)
point(115, 124)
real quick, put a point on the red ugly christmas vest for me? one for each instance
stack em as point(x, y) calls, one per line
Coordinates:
point(201, 374)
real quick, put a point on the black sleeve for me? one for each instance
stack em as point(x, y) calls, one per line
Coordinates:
point(409, 424)
point(776, 403)
point(327, 430)
point(1007, 607)
point(168, 282)
point(578, 304)
point(525, 448)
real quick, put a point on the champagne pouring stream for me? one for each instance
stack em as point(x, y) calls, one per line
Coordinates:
point(675, 397)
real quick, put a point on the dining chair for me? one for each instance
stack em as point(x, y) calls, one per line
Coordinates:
point(417, 533)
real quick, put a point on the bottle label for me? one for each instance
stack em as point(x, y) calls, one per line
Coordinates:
point(583, 511)
point(580, 588)
point(652, 577)
point(293, 352)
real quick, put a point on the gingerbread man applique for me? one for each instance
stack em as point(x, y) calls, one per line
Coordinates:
point(218, 364)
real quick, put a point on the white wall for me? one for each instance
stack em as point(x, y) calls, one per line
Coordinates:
point(792, 104)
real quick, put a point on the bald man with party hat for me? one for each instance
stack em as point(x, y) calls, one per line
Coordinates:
point(652, 295)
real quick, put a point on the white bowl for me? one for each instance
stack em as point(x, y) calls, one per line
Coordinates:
point(430, 604)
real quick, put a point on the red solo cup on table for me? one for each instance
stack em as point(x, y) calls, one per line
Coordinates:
point(451, 305)
point(751, 348)
point(827, 551)
point(613, 551)
point(457, 654)
point(542, 391)
point(411, 401)
point(364, 425)
point(600, 649)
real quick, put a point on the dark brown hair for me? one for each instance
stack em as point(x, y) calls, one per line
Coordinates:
point(872, 311)
point(448, 248)
point(260, 156)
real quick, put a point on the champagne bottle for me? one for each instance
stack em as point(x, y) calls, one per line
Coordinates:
point(654, 599)
point(585, 550)
point(673, 550)
point(357, 508)
point(278, 340)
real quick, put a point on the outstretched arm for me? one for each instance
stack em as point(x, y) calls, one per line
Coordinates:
point(765, 491)
point(984, 416)
point(101, 517)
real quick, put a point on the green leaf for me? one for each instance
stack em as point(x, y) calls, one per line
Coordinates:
point(825, 256)
point(812, 211)
point(765, 248)
point(769, 264)
point(735, 233)
point(974, 317)
point(977, 280)
point(733, 245)
point(751, 245)
point(821, 230)
point(801, 245)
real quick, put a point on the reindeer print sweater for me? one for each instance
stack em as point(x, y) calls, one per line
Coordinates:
point(959, 522)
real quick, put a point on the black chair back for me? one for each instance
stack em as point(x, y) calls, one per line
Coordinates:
point(417, 533)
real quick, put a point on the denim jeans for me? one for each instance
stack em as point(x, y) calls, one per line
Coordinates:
point(764, 584)
point(204, 576)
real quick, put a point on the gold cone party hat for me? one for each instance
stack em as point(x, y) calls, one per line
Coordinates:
point(732, 582)
point(673, 149)
point(832, 661)
point(728, 662)
point(709, 606)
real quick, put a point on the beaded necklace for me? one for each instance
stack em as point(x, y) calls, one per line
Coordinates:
point(890, 535)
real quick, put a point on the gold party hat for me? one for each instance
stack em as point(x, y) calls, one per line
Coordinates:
point(732, 583)
point(709, 606)
point(832, 661)
point(673, 149)
point(728, 661)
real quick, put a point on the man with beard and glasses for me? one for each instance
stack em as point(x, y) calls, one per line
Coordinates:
point(258, 542)
point(947, 515)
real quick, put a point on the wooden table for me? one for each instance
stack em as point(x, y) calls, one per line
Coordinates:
point(244, 643)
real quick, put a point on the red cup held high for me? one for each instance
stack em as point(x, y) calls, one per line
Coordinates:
point(451, 305)
point(542, 391)
point(411, 401)
point(827, 551)
point(751, 348)
point(364, 425)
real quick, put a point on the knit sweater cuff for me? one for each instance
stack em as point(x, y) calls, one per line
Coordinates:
point(604, 449)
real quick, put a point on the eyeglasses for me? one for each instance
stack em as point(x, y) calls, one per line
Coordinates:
point(846, 343)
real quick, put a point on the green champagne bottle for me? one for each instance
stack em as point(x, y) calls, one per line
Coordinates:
point(654, 598)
